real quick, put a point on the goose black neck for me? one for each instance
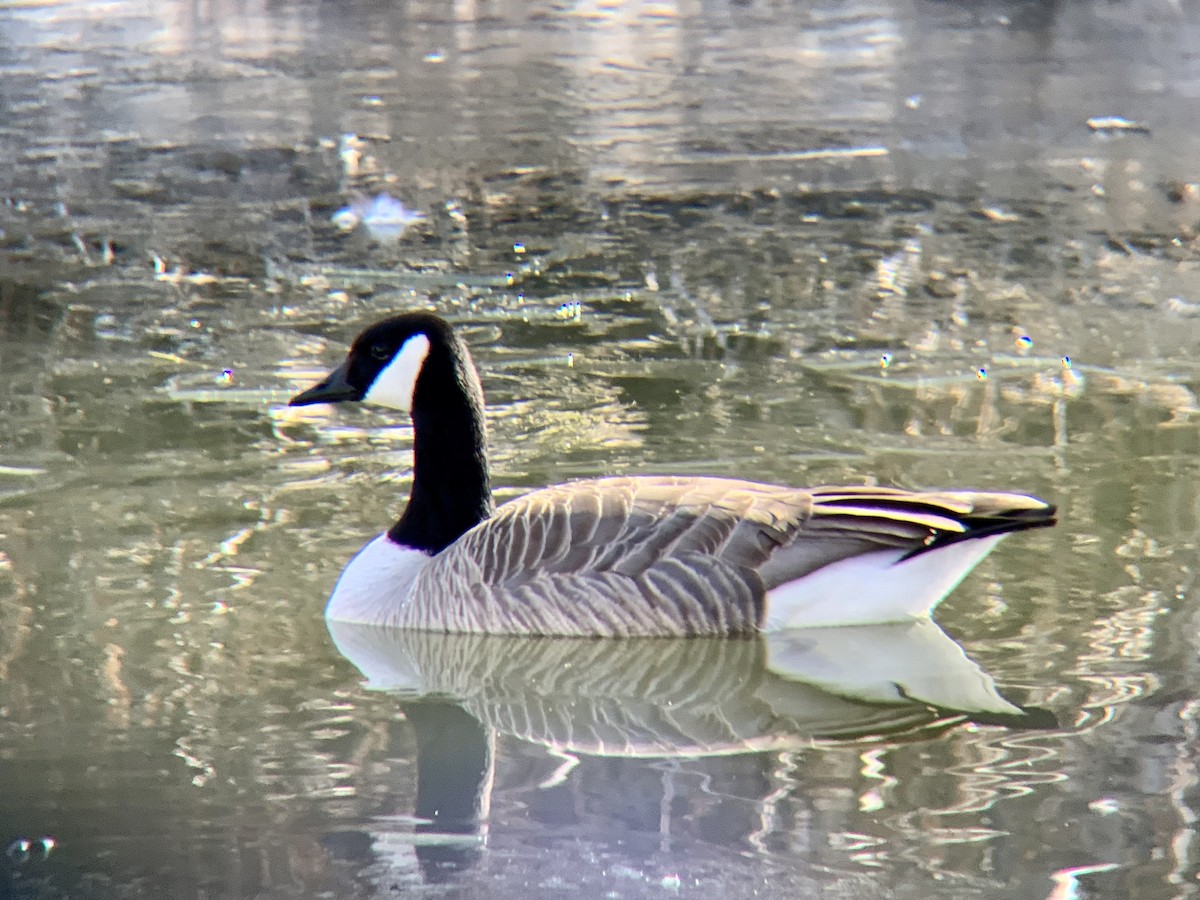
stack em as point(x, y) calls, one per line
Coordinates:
point(451, 492)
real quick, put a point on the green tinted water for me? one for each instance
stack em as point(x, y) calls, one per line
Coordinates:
point(634, 214)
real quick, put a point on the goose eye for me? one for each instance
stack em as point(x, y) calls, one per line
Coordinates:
point(380, 351)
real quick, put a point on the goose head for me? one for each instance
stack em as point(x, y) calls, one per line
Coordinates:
point(397, 363)
point(415, 363)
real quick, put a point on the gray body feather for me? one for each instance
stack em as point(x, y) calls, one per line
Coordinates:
point(675, 556)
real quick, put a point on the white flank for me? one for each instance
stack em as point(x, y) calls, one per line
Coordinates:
point(377, 584)
point(874, 587)
point(394, 385)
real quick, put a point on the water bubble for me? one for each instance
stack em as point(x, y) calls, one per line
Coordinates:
point(226, 377)
point(385, 218)
point(671, 882)
point(518, 248)
point(1024, 342)
point(1066, 361)
point(913, 102)
point(981, 373)
point(885, 360)
point(435, 56)
point(18, 850)
point(345, 219)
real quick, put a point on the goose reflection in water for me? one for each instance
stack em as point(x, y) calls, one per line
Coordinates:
point(649, 699)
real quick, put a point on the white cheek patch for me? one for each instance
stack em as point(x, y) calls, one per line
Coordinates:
point(395, 383)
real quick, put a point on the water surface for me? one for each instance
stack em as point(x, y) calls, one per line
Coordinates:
point(808, 243)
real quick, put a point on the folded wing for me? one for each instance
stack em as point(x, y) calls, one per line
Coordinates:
point(681, 556)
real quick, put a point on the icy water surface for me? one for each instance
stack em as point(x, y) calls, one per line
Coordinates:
point(926, 243)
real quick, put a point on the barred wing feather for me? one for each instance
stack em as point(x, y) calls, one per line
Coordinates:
point(680, 556)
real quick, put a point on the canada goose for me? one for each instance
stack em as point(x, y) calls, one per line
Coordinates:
point(630, 556)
